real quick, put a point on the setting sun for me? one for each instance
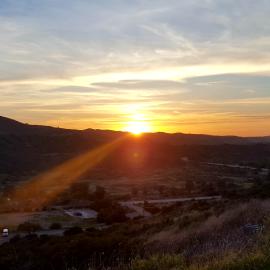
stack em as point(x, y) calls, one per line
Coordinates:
point(138, 127)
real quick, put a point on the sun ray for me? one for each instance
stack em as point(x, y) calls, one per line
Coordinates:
point(44, 188)
point(138, 127)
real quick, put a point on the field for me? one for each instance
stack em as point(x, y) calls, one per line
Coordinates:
point(196, 216)
point(137, 210)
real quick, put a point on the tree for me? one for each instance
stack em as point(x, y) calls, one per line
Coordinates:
point(189, 186)
point(134, 191)
point(268, 175)
point(80, 190)
point(56, 226)
point(115, 214)
point(161, 189)
point(29, 227)
point(73, 231)
point(100, 193)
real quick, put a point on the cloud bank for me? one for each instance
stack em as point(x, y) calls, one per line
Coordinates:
point(192, 65)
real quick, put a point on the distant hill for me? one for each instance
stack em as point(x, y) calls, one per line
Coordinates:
point(201, 139)
point(12, 127)
point(28, 148)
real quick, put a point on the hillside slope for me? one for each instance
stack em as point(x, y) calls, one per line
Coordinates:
point(9, 126)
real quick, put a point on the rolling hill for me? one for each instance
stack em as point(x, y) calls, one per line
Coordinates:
point(12, 127)
point(32, 148)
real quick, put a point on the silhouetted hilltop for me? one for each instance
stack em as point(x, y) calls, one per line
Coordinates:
point(9, 126)
point(25, 148)
point(12, 127)
point(202, 139)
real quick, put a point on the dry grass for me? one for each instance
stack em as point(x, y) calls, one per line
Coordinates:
point(214, 237)
point(217, 243)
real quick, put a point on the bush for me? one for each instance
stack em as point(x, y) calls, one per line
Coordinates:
point(257, 261)
point(100, 193)
point(92, 230)
point(73, 231)
point(15, 238)
point(151, 208)
point(29, 227)
point(55, 226)
point(184, 222)
point(112, 215)
point(159, 262)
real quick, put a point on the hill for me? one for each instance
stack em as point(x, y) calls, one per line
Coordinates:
point(32, 148)
point(12, 127)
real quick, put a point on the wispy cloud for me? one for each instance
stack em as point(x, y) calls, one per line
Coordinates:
point(176, 62)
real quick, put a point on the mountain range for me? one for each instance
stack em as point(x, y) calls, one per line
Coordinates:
point(12, 127)
point(29, 149)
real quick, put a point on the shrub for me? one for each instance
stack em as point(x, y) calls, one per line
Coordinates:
point(29, 227)
point(56, 226)
point(184, 222)
point(159, 262)
point(15, 238)
point(100, 193)
point(73, 231)
point(151, 208)
point(115, 214)
point(257, 261)
point(92, 230)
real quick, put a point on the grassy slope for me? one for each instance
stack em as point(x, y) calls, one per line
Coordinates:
point(192, 239)
point(218, 243)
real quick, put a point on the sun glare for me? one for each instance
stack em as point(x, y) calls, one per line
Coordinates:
point(137, 128)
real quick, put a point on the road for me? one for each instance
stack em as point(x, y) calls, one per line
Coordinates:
point(134, 206)
point(140, 211)
point(173, 200)
point(235, 166)
point(137, 211)
point(81, 213)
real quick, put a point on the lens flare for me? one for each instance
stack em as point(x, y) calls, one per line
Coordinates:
point(44, 188)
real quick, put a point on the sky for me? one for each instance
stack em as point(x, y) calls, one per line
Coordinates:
point(192, 66)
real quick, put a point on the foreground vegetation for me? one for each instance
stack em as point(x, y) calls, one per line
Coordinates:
point(208, 237)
